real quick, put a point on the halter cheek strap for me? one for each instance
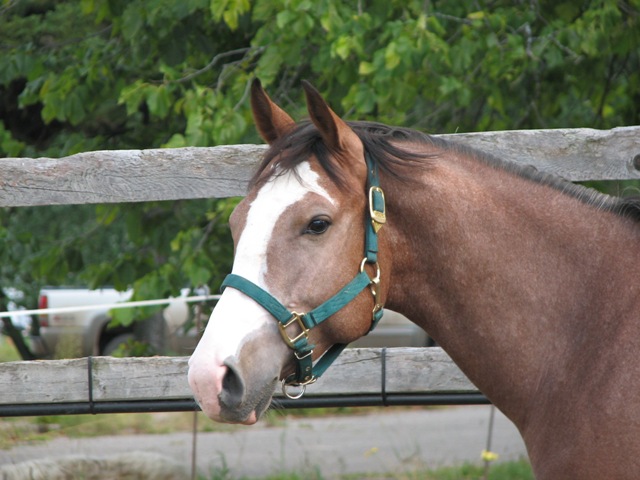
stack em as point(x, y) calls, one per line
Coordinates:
point(306, 372)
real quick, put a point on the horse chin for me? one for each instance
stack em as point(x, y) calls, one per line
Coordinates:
point(253, 406)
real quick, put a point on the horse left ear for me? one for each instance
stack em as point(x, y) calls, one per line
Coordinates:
point(337, 135)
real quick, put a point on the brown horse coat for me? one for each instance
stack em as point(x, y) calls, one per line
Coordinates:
point(528, 282)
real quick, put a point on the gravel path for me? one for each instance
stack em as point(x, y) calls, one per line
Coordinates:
point(390, 441)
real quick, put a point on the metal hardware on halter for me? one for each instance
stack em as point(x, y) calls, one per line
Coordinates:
point(375, 292)
point(377, 209)
point(374, 286)
point(286, 387)
point(295, 318)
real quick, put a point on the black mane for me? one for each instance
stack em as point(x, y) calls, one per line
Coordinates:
point(385, 146)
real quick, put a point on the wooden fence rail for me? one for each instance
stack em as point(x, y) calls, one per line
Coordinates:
point(359, 373)
point(217, 172)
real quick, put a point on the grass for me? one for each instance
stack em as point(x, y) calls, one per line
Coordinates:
point(520, 470)
point(8, 352)
point(516, 470)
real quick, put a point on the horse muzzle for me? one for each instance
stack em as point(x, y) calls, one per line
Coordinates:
point(238, 388)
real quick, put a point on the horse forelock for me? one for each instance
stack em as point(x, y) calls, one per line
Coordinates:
point(390, 148)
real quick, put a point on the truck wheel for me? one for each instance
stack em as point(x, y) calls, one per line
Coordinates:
point(115, 342)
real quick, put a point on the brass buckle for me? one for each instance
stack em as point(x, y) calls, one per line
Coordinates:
point(374, 286)
point(378, 217)
point(375, 292)
point(295, 318)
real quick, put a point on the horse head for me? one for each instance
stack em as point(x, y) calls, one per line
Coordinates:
point(299, 236)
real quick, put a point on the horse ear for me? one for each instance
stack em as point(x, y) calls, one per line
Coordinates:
point(271, 121)
point(337, 135)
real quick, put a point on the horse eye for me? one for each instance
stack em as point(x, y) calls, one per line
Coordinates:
point(317, 226)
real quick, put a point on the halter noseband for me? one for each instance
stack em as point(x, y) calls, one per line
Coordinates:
point(307, 373)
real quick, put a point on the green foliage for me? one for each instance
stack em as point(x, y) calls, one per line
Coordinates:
point(134, 348)
point(462, 66)
point(116, 74)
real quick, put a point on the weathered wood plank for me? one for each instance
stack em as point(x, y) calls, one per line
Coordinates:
point(408, 370)
point(577, 154)
point(169, 174)
point(116, 176)
point(44, 381)
point(140, 378)
point(357, 372)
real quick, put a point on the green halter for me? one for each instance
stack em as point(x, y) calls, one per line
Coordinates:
point(307, 373)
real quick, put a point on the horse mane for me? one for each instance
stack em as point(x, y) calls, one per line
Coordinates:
point(390, 148)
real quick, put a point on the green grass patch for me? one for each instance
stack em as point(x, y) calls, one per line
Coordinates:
point(8, 352)
point(224, 474)
point(517, 470)
point(520, 470)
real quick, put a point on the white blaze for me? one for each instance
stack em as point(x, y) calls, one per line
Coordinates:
point(236, 316)
point(272, 200)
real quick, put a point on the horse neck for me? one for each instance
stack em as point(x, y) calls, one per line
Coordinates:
point(504, 272)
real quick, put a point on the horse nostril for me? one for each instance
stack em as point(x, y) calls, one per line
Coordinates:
point(233, 388)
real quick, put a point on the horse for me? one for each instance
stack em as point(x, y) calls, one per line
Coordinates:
point(527, 281)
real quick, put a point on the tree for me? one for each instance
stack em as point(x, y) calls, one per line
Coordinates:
point(92, 79)
point(110, 74)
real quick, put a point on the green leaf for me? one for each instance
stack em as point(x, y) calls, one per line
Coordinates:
point(158, 100)
point(284, 17)
point(342, 47)
point(229, 11)
point(479, 15)
point(269, 65)
point(133, 95)
point(74, 110)
point(106, 214)
point(177, 140)
point(122, 316)
point(197, 273)
point(391, 56)
point(218, 7)
point(366, 68)
point(9, 147)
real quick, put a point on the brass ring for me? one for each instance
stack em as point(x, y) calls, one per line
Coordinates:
point(364, 262)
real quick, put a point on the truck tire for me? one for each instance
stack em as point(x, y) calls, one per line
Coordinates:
point(115, 342)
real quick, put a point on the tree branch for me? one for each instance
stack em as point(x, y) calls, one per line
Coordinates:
point(215, 60)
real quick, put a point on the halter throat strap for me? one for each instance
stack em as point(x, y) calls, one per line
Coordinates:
point(306, 372)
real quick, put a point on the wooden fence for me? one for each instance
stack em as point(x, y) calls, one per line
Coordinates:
point(360, 376)
point(170, 174)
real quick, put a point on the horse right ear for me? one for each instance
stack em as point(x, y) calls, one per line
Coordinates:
point(271, 121)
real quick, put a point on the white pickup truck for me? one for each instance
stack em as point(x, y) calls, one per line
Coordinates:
point(88, 332)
